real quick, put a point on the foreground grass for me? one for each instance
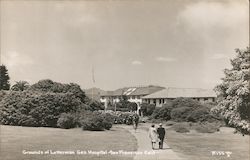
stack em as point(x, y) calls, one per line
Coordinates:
point(198, 146)
point(16, 139)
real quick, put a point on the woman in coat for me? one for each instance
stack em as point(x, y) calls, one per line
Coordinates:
point(153, 135)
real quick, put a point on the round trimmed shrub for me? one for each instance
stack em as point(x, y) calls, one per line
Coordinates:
point(95, 121)
point(66, 121)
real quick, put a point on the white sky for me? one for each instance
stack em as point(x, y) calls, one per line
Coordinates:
point(172, 43)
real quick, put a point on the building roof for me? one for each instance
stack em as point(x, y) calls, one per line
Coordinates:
point(134, 91)
point(182, 92)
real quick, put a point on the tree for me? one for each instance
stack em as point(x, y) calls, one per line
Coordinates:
point(234, 93)
point(20, 86)
point(48, 85)
point(4, 78)
point(132, 106)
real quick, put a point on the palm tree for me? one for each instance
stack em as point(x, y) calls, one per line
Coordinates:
point(20, 86)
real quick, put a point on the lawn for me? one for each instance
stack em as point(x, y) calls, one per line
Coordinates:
point(198, 146)
point(14, 140)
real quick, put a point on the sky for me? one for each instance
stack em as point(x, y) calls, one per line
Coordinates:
point(171, 43)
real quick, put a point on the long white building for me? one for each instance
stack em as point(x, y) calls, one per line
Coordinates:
point(134, 94)
point(161, 97)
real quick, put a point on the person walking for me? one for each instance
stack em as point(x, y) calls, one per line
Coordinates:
point(135, 121)
point(161, 133)
point(153, 135)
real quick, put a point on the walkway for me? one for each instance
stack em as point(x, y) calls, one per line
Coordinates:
point(144, 146)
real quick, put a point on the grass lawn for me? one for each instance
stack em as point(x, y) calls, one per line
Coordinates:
point(16, 139)
point(198, 146)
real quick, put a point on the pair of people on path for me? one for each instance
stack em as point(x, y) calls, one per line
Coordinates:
point(157, 135)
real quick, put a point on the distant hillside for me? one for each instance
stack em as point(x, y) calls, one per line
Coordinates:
point(94, 92)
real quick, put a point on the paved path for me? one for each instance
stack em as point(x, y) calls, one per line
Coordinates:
point(144, 146)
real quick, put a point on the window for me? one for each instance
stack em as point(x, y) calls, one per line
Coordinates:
point(205, 99)
point(159, 101)
point(133, 97)
point(163, 101)
point(154, 101)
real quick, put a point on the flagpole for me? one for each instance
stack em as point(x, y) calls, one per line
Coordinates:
point(93, 79)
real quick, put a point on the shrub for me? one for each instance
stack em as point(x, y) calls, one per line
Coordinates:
point(185, 109)
point(162, 113)
point(180, 114)
point(119, 117)
point(132, 106)
point(67, 120)
point(198, 115)
point(147, 109)
point(123, 109)
point(125, 118)
point(95, 121)
point(185, 102)
point(118, 107)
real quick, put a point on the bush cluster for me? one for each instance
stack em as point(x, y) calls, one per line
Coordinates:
point(29, 108)
point(120, 117)
point(95, 121)
point(185, 109)
point(123, 106)
point(45, 104)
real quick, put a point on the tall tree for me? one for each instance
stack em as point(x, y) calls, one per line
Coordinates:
point(234, 93)
point(4, 78)
point(20, 86)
